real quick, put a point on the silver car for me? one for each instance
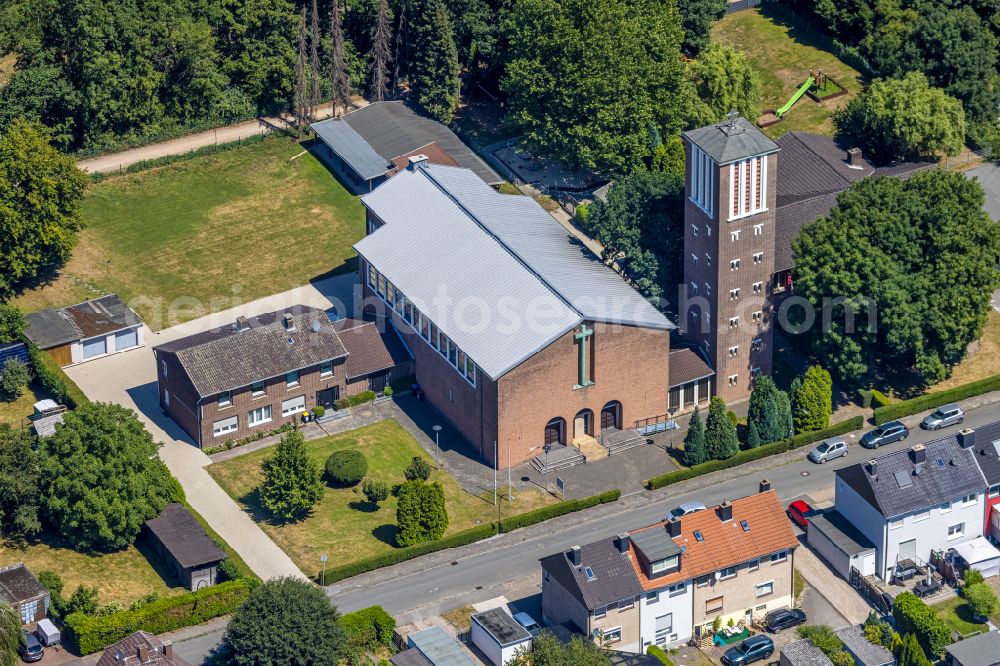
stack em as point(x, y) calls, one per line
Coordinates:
point(685, 509)
point(828, 449)
point(942, 417)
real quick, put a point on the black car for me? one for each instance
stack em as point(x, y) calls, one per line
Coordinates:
point(887, 433)
point(31, 649)
point(786, 618)
point(752, 649)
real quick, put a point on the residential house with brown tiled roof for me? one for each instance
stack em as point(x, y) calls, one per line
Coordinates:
point(140, 649)
point(667, 582)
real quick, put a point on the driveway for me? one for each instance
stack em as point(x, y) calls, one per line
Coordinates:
point(988, 176)
point(129, 379)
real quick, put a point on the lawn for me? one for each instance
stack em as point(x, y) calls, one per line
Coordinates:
point(984, 363)
point(782, 55)
point(16, 412)
point(208, 233)
point(957, 616)
point(344, 525)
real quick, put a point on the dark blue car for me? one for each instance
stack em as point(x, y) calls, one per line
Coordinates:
point(752, 649)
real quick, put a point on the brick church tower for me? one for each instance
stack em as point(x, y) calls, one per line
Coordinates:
point(729, 243)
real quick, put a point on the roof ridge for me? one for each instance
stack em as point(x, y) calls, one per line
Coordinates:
point(795, 135)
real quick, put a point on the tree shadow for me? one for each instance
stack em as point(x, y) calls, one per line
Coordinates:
point(386, 534)
point(364, 506)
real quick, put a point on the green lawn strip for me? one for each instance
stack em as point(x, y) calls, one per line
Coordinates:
point(244, 568)
point(208, 232)
point(783, 56)
point(344, 525)
point(958, 617)
point(16, 412)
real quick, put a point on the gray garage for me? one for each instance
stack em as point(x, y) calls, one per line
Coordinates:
point(841, 544)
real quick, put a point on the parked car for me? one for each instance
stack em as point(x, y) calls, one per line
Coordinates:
point(528, 623)
point(786, 618)
point(828, 449)
point(686, 508)
point(942, 417)
point(31, 650)
point(752, 649)
point(799, 513)
point(887, 433)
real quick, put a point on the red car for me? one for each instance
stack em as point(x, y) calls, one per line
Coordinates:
point(799, 512)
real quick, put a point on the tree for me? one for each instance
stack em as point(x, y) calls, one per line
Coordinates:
point(434, 66)
point(301, 101)
point(641, 227)
point(785, 415)
point(315, 80)
point(548, 651)
point(83, 600)
point(812, 402)
point(12, 323)
point(723, 80)
point(270, 627)
point(694, 441)
point(698, 16)
point(291, 485)
point(102, 477)
point(972, 577)
point(418, 469)
point(381, 53)
point(11, 637)
point(903, 272)
point(20, 474)
point(14, 378)
point(346, 467)
point(753, 436)
point(981, 599)
point(720, 434)
point(376, 491)
point(421, 514)
point(340, 82)
point(40, 194)
point(764, 410)
point(903, 119)
point(911, 654)
point(590, 83)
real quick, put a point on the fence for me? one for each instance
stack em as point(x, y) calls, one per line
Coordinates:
point(740, 5)
point(850, 55)
point(869, 591)
point(967, 159)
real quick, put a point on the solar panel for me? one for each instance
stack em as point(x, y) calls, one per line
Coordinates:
point(698, 536)
point(745, 525)
point(903, 479)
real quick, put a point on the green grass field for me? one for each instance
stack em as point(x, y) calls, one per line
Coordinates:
point(782, 55)
point(344, 525)
point(958, 617)
point(205, 234)
point(16, 412)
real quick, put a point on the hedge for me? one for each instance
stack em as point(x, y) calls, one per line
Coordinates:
point(657, 653)
point(87, 633)
point(53, 379)
point(465, 537)
point(369, 628)
point(748, 455)
point(355, 400)
point(932, 400)
point(913, 615)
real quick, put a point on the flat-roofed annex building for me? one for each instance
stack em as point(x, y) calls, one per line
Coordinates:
point(520, 338)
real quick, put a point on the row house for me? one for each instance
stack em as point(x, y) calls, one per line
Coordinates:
point(666, 583)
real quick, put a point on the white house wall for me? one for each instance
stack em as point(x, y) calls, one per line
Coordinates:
point(863, 516)
point(931, 532)
point(76, 349)
point(681, 605)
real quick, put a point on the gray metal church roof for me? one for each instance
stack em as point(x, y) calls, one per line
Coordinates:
point(730, 141)
point(461, 251)
point(351, 147)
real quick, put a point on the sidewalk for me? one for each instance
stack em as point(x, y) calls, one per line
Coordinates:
point(834, 589)
point(190, 142)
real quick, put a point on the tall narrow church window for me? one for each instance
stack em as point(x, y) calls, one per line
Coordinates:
point(747, 185)
point(582, 338)
point(757, 180)
point(734, 175)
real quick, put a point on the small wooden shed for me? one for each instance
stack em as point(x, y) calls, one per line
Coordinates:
point(181, 541)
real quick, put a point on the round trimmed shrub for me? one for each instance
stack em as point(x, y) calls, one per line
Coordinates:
point(346, 468)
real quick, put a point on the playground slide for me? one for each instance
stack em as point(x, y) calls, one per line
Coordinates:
point(798, 93)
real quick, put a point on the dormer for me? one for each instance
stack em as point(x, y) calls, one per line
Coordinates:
point(658, 555)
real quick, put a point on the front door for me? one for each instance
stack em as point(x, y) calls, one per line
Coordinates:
point(609, 417)
point(580, 426)
point(327, 397)
point(377, 383)
point(552, 434)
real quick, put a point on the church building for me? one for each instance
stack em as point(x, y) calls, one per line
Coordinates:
point(521, 339)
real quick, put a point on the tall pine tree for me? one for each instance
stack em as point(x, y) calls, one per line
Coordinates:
point(314, 72)
point(434, 67)
point(340, 81)
point(812, 400)
point(301, 100)
point(694, 441)
point(380, 53)
point(402, 56)
point(763, 411)
point(720, 433)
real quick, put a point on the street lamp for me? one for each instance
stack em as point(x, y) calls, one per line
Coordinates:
point(322, 576)
point(437, 443)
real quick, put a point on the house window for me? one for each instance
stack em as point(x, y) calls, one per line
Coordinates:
point(470, 370)
point(969, 499)
point(225, 399)
point(734, 352)
point(708, 289)
point(708, 260)
point(779, 557)
point(708, 230)
point(626, 604)
point(612, 635)
point(753, 565)
point(652, 597)
point(713, 605)
point(734, 235)
point(694, 230)
point(260, 415)
point(734, 265)
point(390, 293)
point(381, 285)
point(452, 354)
point(758, 287)
point(702, 187)
point(758, 230)
point(326, 369)
point(755, 344)
point(694, 259)
point(257, 389)
point(733, 380)
point(408, 312)
point(664, 627)
point(372, 276)
point(675, 589)
point(923, 515)
point(754, 372)
point(994, 490)
point(955, 531)
point(694, 288)
point(764, 589)
point(664, 565)
point(292, 379)
point(224, 426)
point(734, 322)
point(728, 572)
point(293, 406)
point(29, 611)
point(759, 257)
point(163, 367)
point(945, 508)
point(895, 524)
point(749, 182)
point(734, 294)
point(757, 315)
point(399, 302)
point(600, 612)
point(703, 581)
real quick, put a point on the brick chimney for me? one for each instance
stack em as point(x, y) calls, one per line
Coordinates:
point(143, 654)
point(168, 650)
point(854, 158)
point(622, 542)
point(574, 556)
point(765, 485)
point(674, 527)
point(241, 324)
point(289, 322)
point(417, 161)
point(919, 454)
point(872, 468)
point(725, 511)
point(967, 438)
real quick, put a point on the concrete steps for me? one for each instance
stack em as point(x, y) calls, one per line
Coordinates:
point(590, 448)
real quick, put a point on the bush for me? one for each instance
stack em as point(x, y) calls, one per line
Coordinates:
point(981, 599)
point(319, 411)
point(14, 378)
point(87, 634)
point(659, 654)
point(838, 428)
point(376, 491)
point(554, 510)
point(387, 391)
point(369, 629)
point(54, 380)
point(865, 398)
point(973, 577)
point(346, 468)
point(418, 470)
point(228, 570)
point(421, 514)
point(914, 616)
point(880, 399)
point(932, 400)
point(361, 398)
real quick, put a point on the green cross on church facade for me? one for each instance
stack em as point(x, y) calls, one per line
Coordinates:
point(583, 337)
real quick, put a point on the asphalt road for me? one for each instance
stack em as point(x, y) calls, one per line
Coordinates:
point(483, 576)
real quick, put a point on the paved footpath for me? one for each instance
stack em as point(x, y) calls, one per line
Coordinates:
point(186, 144)
point(129, 379)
